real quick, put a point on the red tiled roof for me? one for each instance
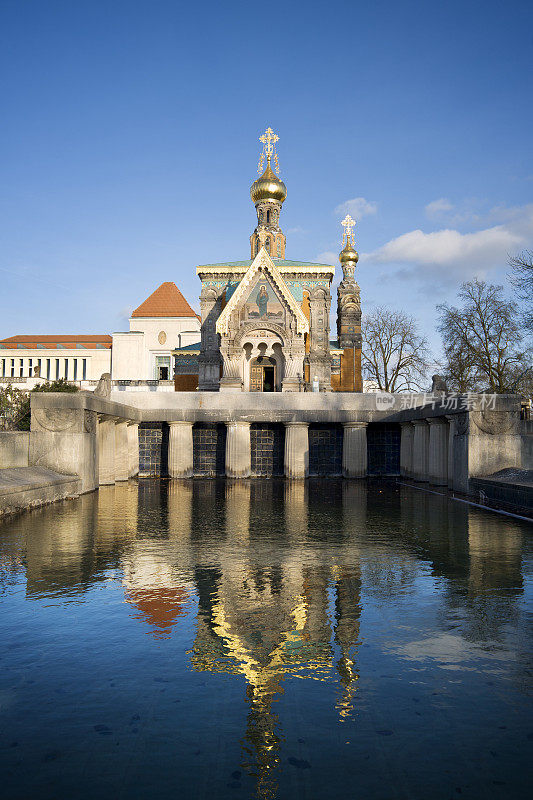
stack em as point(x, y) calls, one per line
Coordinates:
point(166, 301)
point(50, 342)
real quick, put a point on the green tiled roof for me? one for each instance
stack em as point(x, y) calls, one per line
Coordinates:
point(195, 346)
point(279, 262)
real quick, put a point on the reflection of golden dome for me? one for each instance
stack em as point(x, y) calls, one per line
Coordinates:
point(348, 254)
point(268, 187)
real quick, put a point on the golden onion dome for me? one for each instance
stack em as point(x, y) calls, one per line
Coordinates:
point(348, 254)
point(268, 187)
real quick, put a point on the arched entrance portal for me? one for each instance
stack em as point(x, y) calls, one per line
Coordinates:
point(263, 374)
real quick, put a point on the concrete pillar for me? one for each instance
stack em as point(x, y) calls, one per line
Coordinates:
point(106, 451)
point(451, 434)
point(420, 450)
point(354, 455)
point(238, 453)
point(438, 451)
point(180, 450)
point(133, 449)
point(406, 449)
point(296, 449)
point(122, 463)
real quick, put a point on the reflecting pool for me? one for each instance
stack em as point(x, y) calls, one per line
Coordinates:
point(265, 639)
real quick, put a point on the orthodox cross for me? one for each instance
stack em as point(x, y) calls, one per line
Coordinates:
point(269, 139)
point(347, 236)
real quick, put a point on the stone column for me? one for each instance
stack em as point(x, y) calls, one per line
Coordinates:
point(451, 434)
point(133, 449)
point(354, 455)
point(406, 449)
point(238, 453)
point(122, 462)
point(296, 449)
point(180, 450)
point(420, 450)
point(438, 451)
point(106, 451)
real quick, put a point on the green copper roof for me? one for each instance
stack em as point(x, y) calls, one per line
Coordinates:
point(279, 262)
point(188, 347)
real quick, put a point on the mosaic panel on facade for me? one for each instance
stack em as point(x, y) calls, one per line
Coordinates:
point(325, 449)
point(383, 445)
point(209, 449)
point(267, 443)
point(153, 449)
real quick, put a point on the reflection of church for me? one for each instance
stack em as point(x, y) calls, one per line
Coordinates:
point(265, 321)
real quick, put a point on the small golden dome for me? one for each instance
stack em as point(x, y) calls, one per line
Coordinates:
point(268, 187)
point(348, 254)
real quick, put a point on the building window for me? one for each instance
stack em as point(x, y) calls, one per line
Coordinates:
point(267, 245)
point(75, 375)
point(162, 368)
point(257, 245)
point(30, 368)
point(84, 371)
point(268, 217)
point(3, 368)
point(57, 369)
point(21, 368)
point(47, 369)
point(279, 248)
point(66, 369)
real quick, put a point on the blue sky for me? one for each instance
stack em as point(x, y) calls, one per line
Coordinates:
point(129, 143)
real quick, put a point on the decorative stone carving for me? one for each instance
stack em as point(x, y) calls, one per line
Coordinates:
point(53, 419)
point(89, 421)
point(103, 387)
point(461, 423)
point(162, 337)
point(494, 422)
point(438, 385)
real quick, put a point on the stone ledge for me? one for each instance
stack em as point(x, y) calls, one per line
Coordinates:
point(29, 487)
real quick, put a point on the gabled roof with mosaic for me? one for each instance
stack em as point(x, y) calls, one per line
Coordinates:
point(262, 262)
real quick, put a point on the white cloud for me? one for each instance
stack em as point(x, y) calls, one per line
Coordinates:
point(447, 255)
point(328, 257)
point(436, 208)
point(357, 207)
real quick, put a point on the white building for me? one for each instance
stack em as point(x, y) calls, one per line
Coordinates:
point(164, 323)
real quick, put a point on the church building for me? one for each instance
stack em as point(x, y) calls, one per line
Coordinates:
point(265, 321)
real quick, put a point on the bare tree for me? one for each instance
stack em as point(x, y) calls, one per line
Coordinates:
point(395, 355)
point(482, 340)
point(522, 279)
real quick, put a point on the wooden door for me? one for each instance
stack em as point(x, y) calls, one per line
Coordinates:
point(256, 378)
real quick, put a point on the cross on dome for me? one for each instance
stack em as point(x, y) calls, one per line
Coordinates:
point(268, 140)
point(348, 223)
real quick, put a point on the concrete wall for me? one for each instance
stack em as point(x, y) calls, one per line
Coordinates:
point(526, 430)
point(128, 352)
point(14, 449)
point(178, 332)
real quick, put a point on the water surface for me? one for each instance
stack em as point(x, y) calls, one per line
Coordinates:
point(263, 639)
